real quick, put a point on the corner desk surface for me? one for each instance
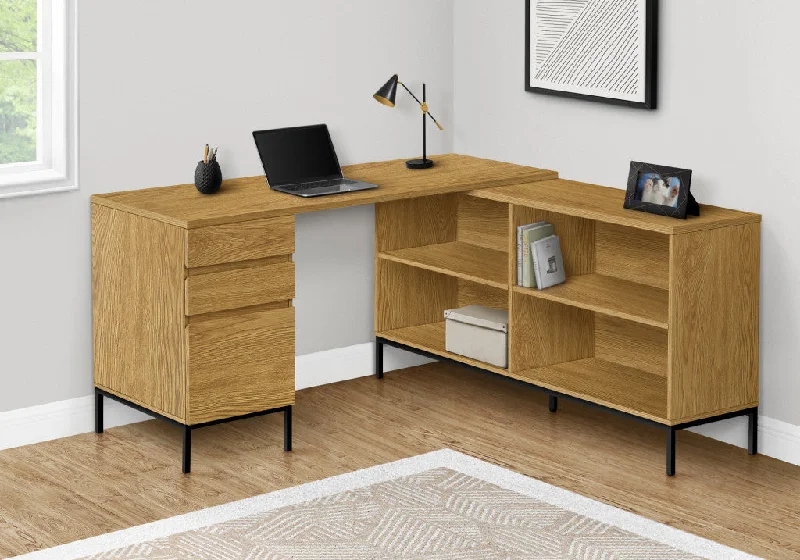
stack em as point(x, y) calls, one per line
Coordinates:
point(249, 198)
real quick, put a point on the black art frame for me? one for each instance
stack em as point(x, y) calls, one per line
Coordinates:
point(651, 64)
point(686, 202)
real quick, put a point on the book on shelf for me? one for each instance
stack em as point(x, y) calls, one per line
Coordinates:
point(548, 262)
point(525, 236)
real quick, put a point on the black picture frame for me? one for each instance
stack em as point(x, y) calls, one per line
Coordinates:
point(651, 65)
point(686, 203)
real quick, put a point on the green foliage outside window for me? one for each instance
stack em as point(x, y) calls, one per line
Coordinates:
point(18, 91)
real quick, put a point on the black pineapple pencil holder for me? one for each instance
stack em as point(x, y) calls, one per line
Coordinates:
point(208, 177)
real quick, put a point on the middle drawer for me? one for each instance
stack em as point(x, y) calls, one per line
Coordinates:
point(239, 287)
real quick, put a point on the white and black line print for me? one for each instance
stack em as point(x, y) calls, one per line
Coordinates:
point(590, 47)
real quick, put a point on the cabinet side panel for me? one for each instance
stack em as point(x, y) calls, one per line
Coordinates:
point(137, 306)
point(713, 325)
point(406, 296)
point(415, 222)
point(483, 222)
point(632, 254)
point(545, 333)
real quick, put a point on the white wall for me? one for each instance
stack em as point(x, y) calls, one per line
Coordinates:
point(160, 79)
point(728, 109)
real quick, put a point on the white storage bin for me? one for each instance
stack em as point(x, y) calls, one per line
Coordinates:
point(478, 332)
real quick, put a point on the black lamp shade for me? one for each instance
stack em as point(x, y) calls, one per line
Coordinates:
point(388, 92)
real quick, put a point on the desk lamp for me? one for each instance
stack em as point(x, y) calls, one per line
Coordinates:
point(387, 94)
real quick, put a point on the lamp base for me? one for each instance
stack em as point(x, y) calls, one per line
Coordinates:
point(419, 163)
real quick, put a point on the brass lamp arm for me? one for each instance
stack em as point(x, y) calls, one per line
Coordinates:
point(423, 106)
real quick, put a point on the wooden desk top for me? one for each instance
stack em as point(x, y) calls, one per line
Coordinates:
point(250, 198)
point(604, 204)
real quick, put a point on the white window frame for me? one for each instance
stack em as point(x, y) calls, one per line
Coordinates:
point(56, 168)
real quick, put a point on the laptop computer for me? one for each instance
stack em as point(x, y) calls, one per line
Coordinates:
point(301, 161)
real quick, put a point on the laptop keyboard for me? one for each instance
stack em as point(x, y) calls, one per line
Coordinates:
point(323, 183)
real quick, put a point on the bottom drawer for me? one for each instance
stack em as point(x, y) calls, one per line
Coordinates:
point(239, 364)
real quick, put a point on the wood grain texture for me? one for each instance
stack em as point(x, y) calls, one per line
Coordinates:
point(249, 198)
point(431, 338)
point(240, 364)
point(406, 296)
point(74, 488)
point(604, 204)
point(234, 289)
point(713, 345)
point(483, 223)
point(621, 388)
point(243, 241)
point(610, 296)
point(544, 333)
point(632, 254)
point(415, 222)
point(630, 344)
point(470, 293)
point(471, 262)
point(137, 308)
point(576, 237)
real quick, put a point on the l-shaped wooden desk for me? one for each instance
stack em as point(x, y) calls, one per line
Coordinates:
point(192, 294)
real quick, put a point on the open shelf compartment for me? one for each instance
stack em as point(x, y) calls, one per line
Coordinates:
point(456, 235)
point(611, 269)
point(410, 303)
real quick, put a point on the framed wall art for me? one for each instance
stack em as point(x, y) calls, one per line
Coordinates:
point(599, 50)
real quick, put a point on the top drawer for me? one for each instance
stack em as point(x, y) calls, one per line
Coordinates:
point(242, 241)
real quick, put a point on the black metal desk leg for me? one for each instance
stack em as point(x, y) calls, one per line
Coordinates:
point(671, 451)
point(187, 449)
point(287, 428)
point(98, 412)
point(379, 359)
point(752, 432)
point(553, 403)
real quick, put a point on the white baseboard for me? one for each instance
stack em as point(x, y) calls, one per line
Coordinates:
point(76, 416)
point(35, 424)
point(340, 364)
point(775, 438)
point(60, 419)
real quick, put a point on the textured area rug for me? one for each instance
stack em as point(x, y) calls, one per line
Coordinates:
point(442, 505)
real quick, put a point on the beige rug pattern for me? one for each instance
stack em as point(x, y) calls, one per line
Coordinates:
point(440, 514)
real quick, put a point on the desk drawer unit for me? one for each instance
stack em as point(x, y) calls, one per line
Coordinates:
point(242, 241)
point(240, 363)
point(193, 325)
point(243, 286)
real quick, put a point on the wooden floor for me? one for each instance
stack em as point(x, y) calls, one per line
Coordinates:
point(60, 491)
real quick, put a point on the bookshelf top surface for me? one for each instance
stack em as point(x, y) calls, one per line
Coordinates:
point(605, 204)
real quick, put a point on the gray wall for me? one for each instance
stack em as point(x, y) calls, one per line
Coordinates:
point(160, 79)
point(728, 109)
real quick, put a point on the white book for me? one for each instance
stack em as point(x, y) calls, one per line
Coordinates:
point(538, 231)
point(548, 262)
point(520, 248)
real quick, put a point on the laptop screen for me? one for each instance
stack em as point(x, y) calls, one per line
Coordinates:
point(295, 155)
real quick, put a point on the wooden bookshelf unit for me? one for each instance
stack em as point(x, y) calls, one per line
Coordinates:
point(658, 318)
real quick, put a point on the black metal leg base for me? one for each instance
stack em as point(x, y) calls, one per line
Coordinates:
point(553, 403)
point(98, 412)
point(752, 432)
point(379, 358)
point(186, 464)
point(671, 451)
point(287, 428)
point(187, 450)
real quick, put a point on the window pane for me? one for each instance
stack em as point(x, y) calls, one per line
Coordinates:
point(17, 111)
point(18, 25)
